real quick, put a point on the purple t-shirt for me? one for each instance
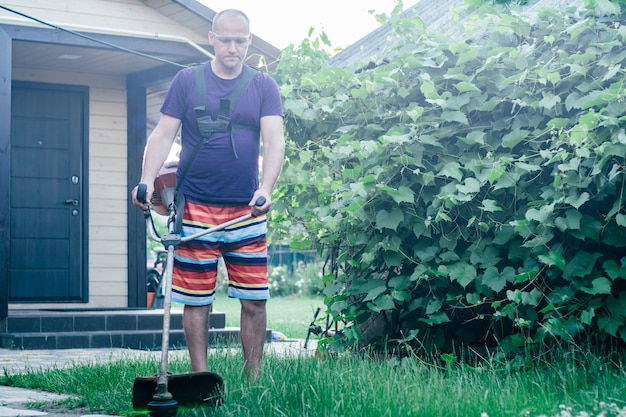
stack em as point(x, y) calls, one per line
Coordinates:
point(216, 175)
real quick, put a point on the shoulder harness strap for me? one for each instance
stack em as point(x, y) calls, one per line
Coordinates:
point(246, 79)
point(207, 125)
point(227, 105)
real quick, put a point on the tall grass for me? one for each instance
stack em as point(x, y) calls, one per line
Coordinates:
point(559, 384)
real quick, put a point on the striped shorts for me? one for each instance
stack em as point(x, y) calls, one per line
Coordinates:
point(242, 246)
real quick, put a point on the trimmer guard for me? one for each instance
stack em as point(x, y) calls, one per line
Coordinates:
point(189, 389)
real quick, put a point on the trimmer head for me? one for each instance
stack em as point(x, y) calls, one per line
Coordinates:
point(163, 406)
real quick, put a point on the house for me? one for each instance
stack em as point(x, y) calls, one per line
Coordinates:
point(81, 82)
point(438, 16)
point(376, 45)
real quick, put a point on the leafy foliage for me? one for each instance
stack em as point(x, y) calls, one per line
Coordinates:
point(466, 192)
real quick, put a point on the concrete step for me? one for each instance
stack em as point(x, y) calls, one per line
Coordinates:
point(136, 339)
point(103, 328)
point(52, 321)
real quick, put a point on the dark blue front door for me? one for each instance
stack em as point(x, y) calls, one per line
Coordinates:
point(48, 205)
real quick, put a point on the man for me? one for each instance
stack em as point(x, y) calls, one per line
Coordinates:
point(221, 182)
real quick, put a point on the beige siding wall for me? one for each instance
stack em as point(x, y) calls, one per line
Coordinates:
point(130, 17)
point(108, 190)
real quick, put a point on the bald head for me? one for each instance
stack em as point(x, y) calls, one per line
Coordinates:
point(231, 13)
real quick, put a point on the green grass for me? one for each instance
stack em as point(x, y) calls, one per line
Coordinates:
point(288, 315)
point(351, 385)
point(560, 383)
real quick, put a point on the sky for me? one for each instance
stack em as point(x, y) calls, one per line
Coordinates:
point(285, 22)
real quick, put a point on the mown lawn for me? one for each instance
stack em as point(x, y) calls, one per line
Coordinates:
point(290, 316)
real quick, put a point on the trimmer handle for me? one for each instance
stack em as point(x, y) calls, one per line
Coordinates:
point(142, 190)
point(259, 202)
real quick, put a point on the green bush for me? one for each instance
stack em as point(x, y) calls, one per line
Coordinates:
point(466, 193)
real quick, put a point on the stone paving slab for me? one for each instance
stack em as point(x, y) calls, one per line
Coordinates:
point(13, 401)
point(17, 361)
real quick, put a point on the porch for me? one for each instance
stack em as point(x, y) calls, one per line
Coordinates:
point(104, 328)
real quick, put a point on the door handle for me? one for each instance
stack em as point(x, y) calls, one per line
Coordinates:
point(72, 202)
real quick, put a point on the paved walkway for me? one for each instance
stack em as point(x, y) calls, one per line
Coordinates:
point(19, 401)
point(16, 402)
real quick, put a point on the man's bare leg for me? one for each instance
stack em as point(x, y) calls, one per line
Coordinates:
point(196, 325)
point(253, 327)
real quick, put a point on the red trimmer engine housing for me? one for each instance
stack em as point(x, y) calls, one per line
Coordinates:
point(164, 187)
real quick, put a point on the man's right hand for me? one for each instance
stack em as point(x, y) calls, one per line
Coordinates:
point(143, 205)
